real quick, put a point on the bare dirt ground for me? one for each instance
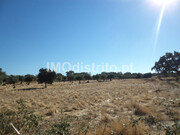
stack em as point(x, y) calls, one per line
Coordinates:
point(95, 102)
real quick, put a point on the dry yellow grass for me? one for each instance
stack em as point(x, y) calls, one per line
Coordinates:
point(120, 128)
point(119, 100)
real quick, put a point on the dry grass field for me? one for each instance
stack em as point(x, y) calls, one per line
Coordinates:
point(105, 108)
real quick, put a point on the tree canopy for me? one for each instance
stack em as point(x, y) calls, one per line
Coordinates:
point(29, 78)
point(70, 76)
point(46, 76)
point(2, 76)
point(12, 80)
point(169, 63)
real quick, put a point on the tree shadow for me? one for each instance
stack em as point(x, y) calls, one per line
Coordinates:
point(168, 80)
point(27, 89)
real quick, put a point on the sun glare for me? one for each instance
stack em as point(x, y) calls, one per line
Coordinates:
point(163, 4)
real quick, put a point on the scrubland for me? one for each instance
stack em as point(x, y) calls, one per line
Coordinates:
point(128, 106)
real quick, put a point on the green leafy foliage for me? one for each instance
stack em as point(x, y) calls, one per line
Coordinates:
point(96, 77)
point(29, 78)
point(12, 80)
point(139, 75)
point(169, 63)
point(46, 76)
point(60, 128)
point(70, 76)
point(110, 77)
point(147, 75)
point(24, 119)
point(127, 75)
point(103, 76)
point(60, 77)
point(2, 76)
point(1, 79)
point(21, 78)
point(87, 76)
point(79, 77)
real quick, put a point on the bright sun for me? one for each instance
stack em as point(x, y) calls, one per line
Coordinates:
point(163, 2)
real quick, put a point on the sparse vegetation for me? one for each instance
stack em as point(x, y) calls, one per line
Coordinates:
point(60, 128)
point(26, 122)
point(116, 108)
point(23, 118)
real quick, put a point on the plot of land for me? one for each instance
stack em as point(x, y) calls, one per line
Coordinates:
point(92, 103)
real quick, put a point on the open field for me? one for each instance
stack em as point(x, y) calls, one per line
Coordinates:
point(102, 106)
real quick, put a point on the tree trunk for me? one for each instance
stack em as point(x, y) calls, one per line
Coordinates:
point(14, 85)
point(178, 73)
point(45, 85)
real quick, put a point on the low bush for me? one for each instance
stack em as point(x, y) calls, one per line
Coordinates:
point(61, 128)
point(24, 120)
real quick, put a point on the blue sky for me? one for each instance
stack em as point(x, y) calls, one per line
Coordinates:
point(119, 32)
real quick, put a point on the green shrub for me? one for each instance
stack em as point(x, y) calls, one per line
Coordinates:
point(23, 119)
point(61, 128)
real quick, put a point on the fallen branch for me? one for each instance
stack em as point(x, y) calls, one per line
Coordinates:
point(15, 128)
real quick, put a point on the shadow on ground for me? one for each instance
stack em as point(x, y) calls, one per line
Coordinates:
point(28, 89)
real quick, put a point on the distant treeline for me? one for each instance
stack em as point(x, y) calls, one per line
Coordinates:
point(48, 76)
point(13, 79)
point(70, 76)
point(168, 65)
